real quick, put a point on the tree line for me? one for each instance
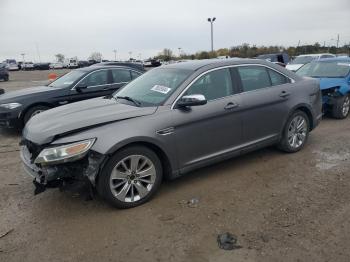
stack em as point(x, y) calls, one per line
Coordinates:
point(249, 51)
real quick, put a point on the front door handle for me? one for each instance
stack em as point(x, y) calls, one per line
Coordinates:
point(231, 105)
point(284, 94)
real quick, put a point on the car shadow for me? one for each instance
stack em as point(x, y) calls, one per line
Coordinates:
point(10, 132)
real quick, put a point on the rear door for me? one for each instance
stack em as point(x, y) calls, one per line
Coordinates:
point(211, 130)
point(264, 96)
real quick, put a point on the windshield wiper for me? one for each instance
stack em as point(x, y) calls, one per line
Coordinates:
point(128, 98)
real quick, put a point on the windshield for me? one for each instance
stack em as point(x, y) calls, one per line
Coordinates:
point(334, 69)
point(155, 86)
point(67, 79)
point(303, 59)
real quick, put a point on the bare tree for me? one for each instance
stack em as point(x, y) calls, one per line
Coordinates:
point(97, 56)
point(59, 58)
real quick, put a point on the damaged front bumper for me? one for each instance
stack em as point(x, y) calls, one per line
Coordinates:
point(51, 176)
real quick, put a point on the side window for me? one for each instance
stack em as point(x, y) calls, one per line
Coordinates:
point(253, 77)
point(277, 78)
point(121, 75)
point(213, 85)
point(96, 78)
point(134, 75)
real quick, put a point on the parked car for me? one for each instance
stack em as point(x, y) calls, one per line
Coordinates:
point(334, 76)
point(301, 60)
point(169, 121)
point(17, 107)
point(57, 65)
point(27, 66)
point(4, 72)
point(279, 58)
point(11, 64)
point(82, 63)
point(73, 63)
point(41, 66)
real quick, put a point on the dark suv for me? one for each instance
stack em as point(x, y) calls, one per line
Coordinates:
point(17, 107)
point(4, 72)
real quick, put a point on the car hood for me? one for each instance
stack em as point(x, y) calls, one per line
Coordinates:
point(24, 92)
point(294, 67)
point(326, 83)
point(44, 127)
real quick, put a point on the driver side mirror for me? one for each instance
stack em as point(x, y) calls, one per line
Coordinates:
point(80, 87)
point(192, 100)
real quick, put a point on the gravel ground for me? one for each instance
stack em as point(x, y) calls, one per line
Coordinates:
point(281, 207)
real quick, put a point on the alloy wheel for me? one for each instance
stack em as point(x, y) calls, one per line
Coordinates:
point(132, 178)
point(297, 131)
point(346, 106)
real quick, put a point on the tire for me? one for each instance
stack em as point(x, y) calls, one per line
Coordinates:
point(121, 186)
point(294, 138)
point(34, 111)
point(341, 106)
point(6, 78)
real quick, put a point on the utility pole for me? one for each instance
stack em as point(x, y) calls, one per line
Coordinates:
point(130, 53)
point(179, 51)
point(337, 42)
point(115, 55)
point(211, 21)
point(23, 54)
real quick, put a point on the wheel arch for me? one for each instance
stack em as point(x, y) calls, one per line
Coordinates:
point(33, 105)
point(304, 108)
point(166, 163)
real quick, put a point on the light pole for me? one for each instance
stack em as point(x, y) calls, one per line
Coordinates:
point(115, 55)
point(211, 21)
point(130, 53)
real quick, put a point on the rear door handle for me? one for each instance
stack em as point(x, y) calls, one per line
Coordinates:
point(231, 105)
point(284, 94)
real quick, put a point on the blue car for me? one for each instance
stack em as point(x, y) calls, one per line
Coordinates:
point(334, 76)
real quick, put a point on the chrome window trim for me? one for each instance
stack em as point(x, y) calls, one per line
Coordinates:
point(229, 66)
point(105, 69)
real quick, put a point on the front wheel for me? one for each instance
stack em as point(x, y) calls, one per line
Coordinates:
point(34, 111)
point(340, 109)
point(131, 177)
point(295, 133)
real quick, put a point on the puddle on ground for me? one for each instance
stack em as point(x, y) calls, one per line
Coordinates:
point(329, 160)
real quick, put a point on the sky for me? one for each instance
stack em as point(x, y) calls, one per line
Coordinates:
point(43, 28)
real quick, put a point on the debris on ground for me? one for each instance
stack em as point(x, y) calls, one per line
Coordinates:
point(6, 233)
point(193, 202)
point(227, 241)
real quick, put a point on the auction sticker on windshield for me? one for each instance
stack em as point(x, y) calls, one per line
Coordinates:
point(161, 89)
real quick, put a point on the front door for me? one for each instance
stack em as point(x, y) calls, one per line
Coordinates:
point(211, 130)
point(95, 84)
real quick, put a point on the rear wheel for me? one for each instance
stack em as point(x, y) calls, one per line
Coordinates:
point(295, 133)
point(6, 78)
point(340, 109)
point(35, 110)
point(131, 177)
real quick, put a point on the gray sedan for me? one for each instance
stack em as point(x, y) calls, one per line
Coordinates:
point(169, 121)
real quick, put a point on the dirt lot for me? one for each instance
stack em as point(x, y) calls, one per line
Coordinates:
point(282, 207)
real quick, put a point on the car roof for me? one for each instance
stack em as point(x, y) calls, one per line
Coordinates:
point(197, 64)
point(97, 67)
point(335, 59)
point(315, 54)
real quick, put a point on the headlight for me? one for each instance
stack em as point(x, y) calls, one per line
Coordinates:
point(65, 153)
point(10, 105)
